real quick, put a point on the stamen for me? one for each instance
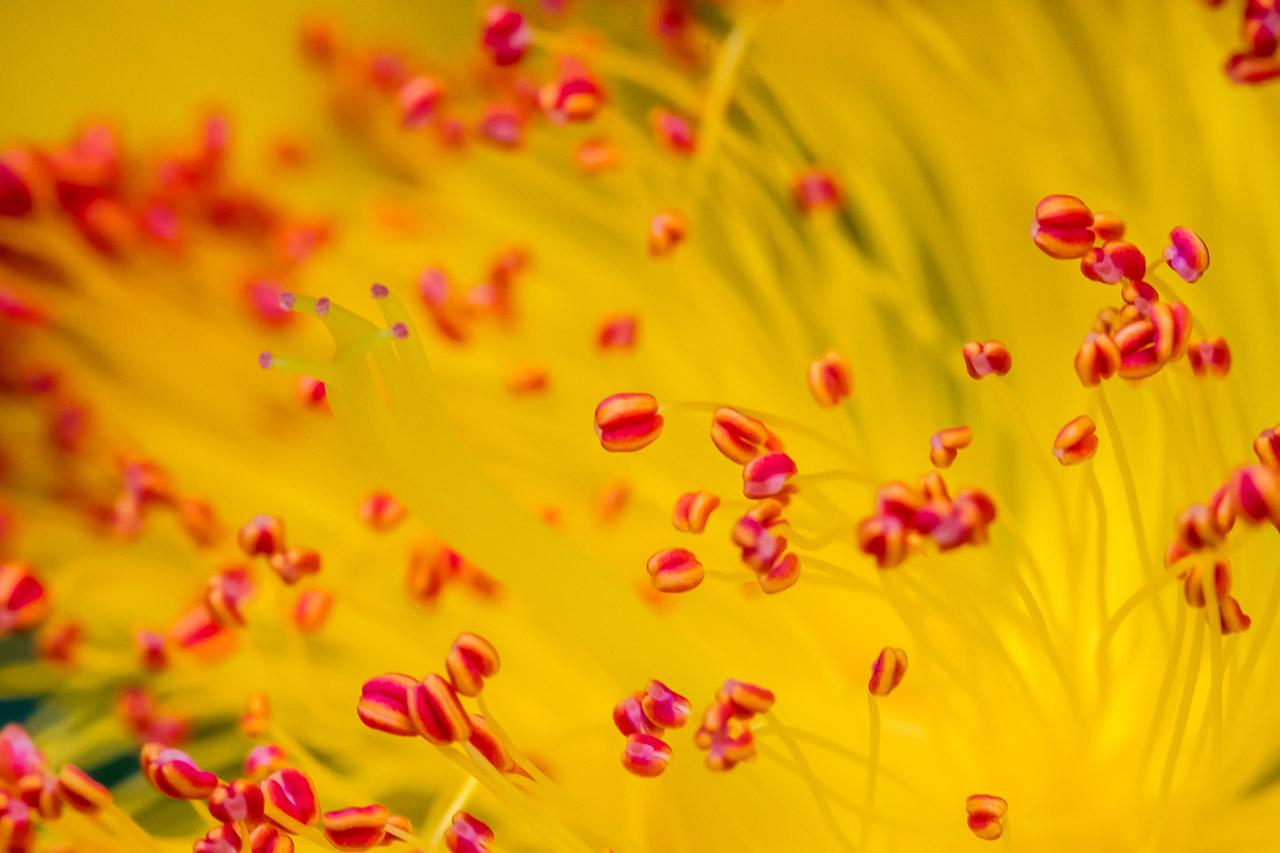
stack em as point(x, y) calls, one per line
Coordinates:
point(355, 828)
point(830, 380)
point(674, 570)
point(667, 230)
point(1076, 441)
point(1187, 254)
point(289, 801)
point(467, 834)
point(986, 812)
point(692, 510)
point(626, 423)
point(471, 660)
point(1062, 227)
point(945, 443)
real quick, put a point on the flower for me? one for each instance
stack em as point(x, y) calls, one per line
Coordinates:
point(267, 484)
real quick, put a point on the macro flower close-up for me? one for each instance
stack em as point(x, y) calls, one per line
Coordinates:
point(639, 425)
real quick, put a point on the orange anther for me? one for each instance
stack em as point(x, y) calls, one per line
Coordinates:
point(263, 534)
point(355, 828)
point(1108, 227)
point(199, 521)
point(1062, 228)
point(596, 156)
point(1097, 359)
point(783, 574)
point(226, 593)
point(1211, 357)
point(292, 564)
point(741, 438)
point(311, 610)
point(528, 379)
point(674, 570)
point(381, 511)
point(485, 739)
point(257, 715)
point(1233, 620)
point(1218, 575)
point(80, 791)
point(628, 422)
point(471, 660)
point(1076, 441)
point(983, 359)
point(1186, 255)
point(945, 443)
point(24, 603)
point(830, 380)
point(612, 500)
point(692, 510)
point(887, 671)
point(1267, 446)
point(436, 712)
point(666, 231)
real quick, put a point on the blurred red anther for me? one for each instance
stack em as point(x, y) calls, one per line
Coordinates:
point(1114, 261)
point(692, 510)
point(199, 521)
point(816, 190)
point(986, 358)
point(267, 839)
point(617, 332)
point(355, 828)
point(1063, 227)
point(39, 791)
point(236, 802)
point(381, 511)
point(506, 35)
point(14, 307)
point(645, 755)
point(674, 570)
point(470, 661)
point(1076, 441)
point(751, 533)
point(289, 800)
point(441, 305)
point(319, 41)
point(528, 379)
point(1210, 357)
point(945, 443)
point(312, 393)
point(384, 704)
point(1247, 69)
point(664, 706)
point(597, 156)
point(985, 813)
point(311, 609)
point(830, 379)
point(486, 741)
point(262, 535)
point(628, 422)
point(674, 131)
point(256, 716)
point(503, 125)
point(1232, 619)
point(667, 230)
point(1255, 494)
point(1217, 573)
point(467, 834)
point(220, 839)
point(173, 773)
point(79, 790)
point(263, 760)
point(1097, 359)
point(766, 476)
point(741, 438)
point(782, 574)
point(19, 755)
point(1186, 255)
point(1267, 446)
point(630, 718)
point(887, 671)
point(574, 96)
point(263, 299)
point(59, 642)
point(417, 99)
point(612, 500)
point(746, 699)
point(293, 564)
point(151, 649)
point(227, 592)
point(1107, 227)
point(1261, 26)
point(24, 602)
point(20, 182)
point(724, 734)
point(69, 426)
point(436, 712)
point(905, 515)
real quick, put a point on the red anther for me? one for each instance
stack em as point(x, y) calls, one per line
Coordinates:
point(1076, 441)
point(398, 826)
point(760, 547)
point(198, 630)
point(528, 379)
point(355, 828)
point(816, 190)
point(674, 570)
point(263, 534)
point(173, 773)
point(692, 510)
point(985, 812)
point(612, 500)
point(1243, 68)
point(1261, 25)
point(663, 706)
point(467, 834)
point(318, 38)
point(1169, 333)
point(506, 35)
point(674, 131)
point(645, 755)
point(311, 609)
point(783, 574)
point(945, 443)
point(597, 156)
point(1196, 529)
point(666, 231)
point(1186, 255)
point(471, 660)
point(199, 521)
point(984, 359)
point(1115, 260)
point(381, 511)
point(1210, 357)
point(1063, 227)
point(19, 755)
point(1232, 619)
point(486, 741)
point(1223, 508)
point(59, 642)
point(1267, 446)
point(746, 699)
point(21, 182)
point(78, 790)
point(264, 759)
point(417, 99)
point(575, 96)
point(503, 125)
point(446, 313)
point(24, 602)
point(887, 671)
point(436, 713)
point(830, 379)
point(289, 800)
point(617, 332)
point(15, 824)
point(628, 422)
point(630, 717)
point(312, 393)
point(146, 482)
point(1256, 494)
point(262, 298)
point(267, 839)
point(1141, 296)
point(236, 802)
point(220, 839)
point(293, 564)
point(257, 715)
point(766, 476)
point(226, 594)
point(1193, 586)
point(731, 747)
point(1107, 227)
point(739, 437)
point(885, 538)
point(384, 704)
point(40, 792)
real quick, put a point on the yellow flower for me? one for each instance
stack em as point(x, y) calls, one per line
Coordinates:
point(813, 213)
